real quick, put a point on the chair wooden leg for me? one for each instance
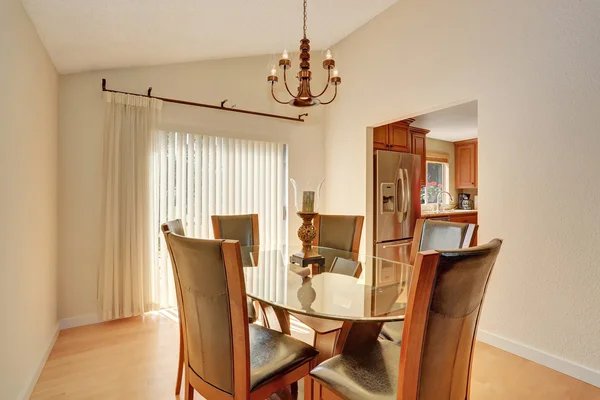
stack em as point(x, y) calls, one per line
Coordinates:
point(189, 390)
point(308, 388)
point(294, 388)
point(180, 363)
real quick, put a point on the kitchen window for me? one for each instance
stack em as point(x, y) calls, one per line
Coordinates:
point(438, 180)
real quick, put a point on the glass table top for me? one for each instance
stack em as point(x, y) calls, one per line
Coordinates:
point(379, 294)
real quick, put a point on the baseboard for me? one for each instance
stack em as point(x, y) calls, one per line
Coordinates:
point(26, 394)
point(81, 320)
point(556, 363)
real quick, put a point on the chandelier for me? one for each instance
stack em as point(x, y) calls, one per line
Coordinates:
point(304, 96)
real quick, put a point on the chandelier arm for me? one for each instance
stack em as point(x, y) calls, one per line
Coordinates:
point(326, 86)
point(273, 94)
point(334, 96)
point(286, 85)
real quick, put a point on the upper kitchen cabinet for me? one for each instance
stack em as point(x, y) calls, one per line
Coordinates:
point(465, 153)
point(419, 147)
point(380, 138)
point(399, 136)
point(393, 137)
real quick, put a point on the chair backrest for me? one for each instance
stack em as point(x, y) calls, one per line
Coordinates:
point(340, 232)
point(437, 235)
point(343, 266)
point(444, 305)
point(213, 310)
point(174, 226)
point(243, 228)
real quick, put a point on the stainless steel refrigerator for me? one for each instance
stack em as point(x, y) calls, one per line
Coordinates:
point(397, 197)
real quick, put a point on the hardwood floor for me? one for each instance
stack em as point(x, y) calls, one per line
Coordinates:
point(136, 358)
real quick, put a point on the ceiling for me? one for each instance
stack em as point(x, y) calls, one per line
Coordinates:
point(451, 124)
point(84, 35)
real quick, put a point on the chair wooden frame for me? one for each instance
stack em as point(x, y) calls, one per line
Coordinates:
point(469, 240)
point(357, 230)
point(168, 228)
point(217, 228)
point(415, 325)
point(232, 259)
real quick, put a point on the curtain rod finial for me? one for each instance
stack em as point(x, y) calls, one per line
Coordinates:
point(103, 84)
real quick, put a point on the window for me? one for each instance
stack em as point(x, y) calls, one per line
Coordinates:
point(438, 180)
point(197, 176)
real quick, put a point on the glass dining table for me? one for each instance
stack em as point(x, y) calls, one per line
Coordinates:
point(346, 301)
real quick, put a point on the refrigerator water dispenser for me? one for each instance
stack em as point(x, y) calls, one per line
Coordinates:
point(388, 194)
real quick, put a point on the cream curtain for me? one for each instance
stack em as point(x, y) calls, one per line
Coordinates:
point(126, 279)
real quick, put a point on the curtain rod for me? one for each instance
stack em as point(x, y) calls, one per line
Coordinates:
point(191, 103)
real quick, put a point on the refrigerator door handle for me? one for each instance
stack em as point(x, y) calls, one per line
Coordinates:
point(407, 196)
point(400, 190)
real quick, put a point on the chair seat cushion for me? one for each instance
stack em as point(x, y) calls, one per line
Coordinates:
point(251, 312)
point(368, 373)
point(393, 331)
point(272, 353)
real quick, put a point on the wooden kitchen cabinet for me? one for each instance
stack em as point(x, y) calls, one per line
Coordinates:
point(465, 153)
point(399, 137)
point(393, 137)
point(419, 147)
point(380, 138)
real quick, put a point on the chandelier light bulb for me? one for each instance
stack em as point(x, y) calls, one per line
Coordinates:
point(273, 71)
point(335, 72)
point(285, 55)
point(328, 55)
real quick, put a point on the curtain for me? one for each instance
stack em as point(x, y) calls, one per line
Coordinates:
point(198, 176)
point(125, 281)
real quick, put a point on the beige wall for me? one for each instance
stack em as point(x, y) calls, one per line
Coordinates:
point(28, 204)
point(533, 67)
point(442, 146)
point(81, 118)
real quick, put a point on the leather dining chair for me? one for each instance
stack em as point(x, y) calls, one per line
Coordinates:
point(435, 357)
point(432, 235)
point(243, 228)
point(341, 232)
point(224, 356)
point(347, 267)
point(176, 226)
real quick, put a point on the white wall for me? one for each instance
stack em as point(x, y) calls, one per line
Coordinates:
point(81, 119)
point(534, 68)
point(28, 202)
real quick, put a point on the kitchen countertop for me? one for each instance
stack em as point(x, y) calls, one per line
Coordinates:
point(446, 213)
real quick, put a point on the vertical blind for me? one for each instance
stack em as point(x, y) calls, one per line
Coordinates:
point(197, 176)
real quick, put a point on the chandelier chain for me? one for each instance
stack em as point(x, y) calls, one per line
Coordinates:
point(305, 19)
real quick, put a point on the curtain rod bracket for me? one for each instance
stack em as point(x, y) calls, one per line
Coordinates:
point(223, 103)
point(302, 115)
point(150, 91)
point(103, 85)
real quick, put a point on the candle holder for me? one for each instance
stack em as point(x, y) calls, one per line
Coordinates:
point(307, 206)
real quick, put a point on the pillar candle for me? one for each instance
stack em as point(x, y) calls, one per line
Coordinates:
point(308, 201)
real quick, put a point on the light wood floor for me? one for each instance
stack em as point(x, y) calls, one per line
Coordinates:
point(136, 358)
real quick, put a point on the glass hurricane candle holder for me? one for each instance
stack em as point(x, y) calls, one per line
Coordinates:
point(307, 206)
point(307, 196)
